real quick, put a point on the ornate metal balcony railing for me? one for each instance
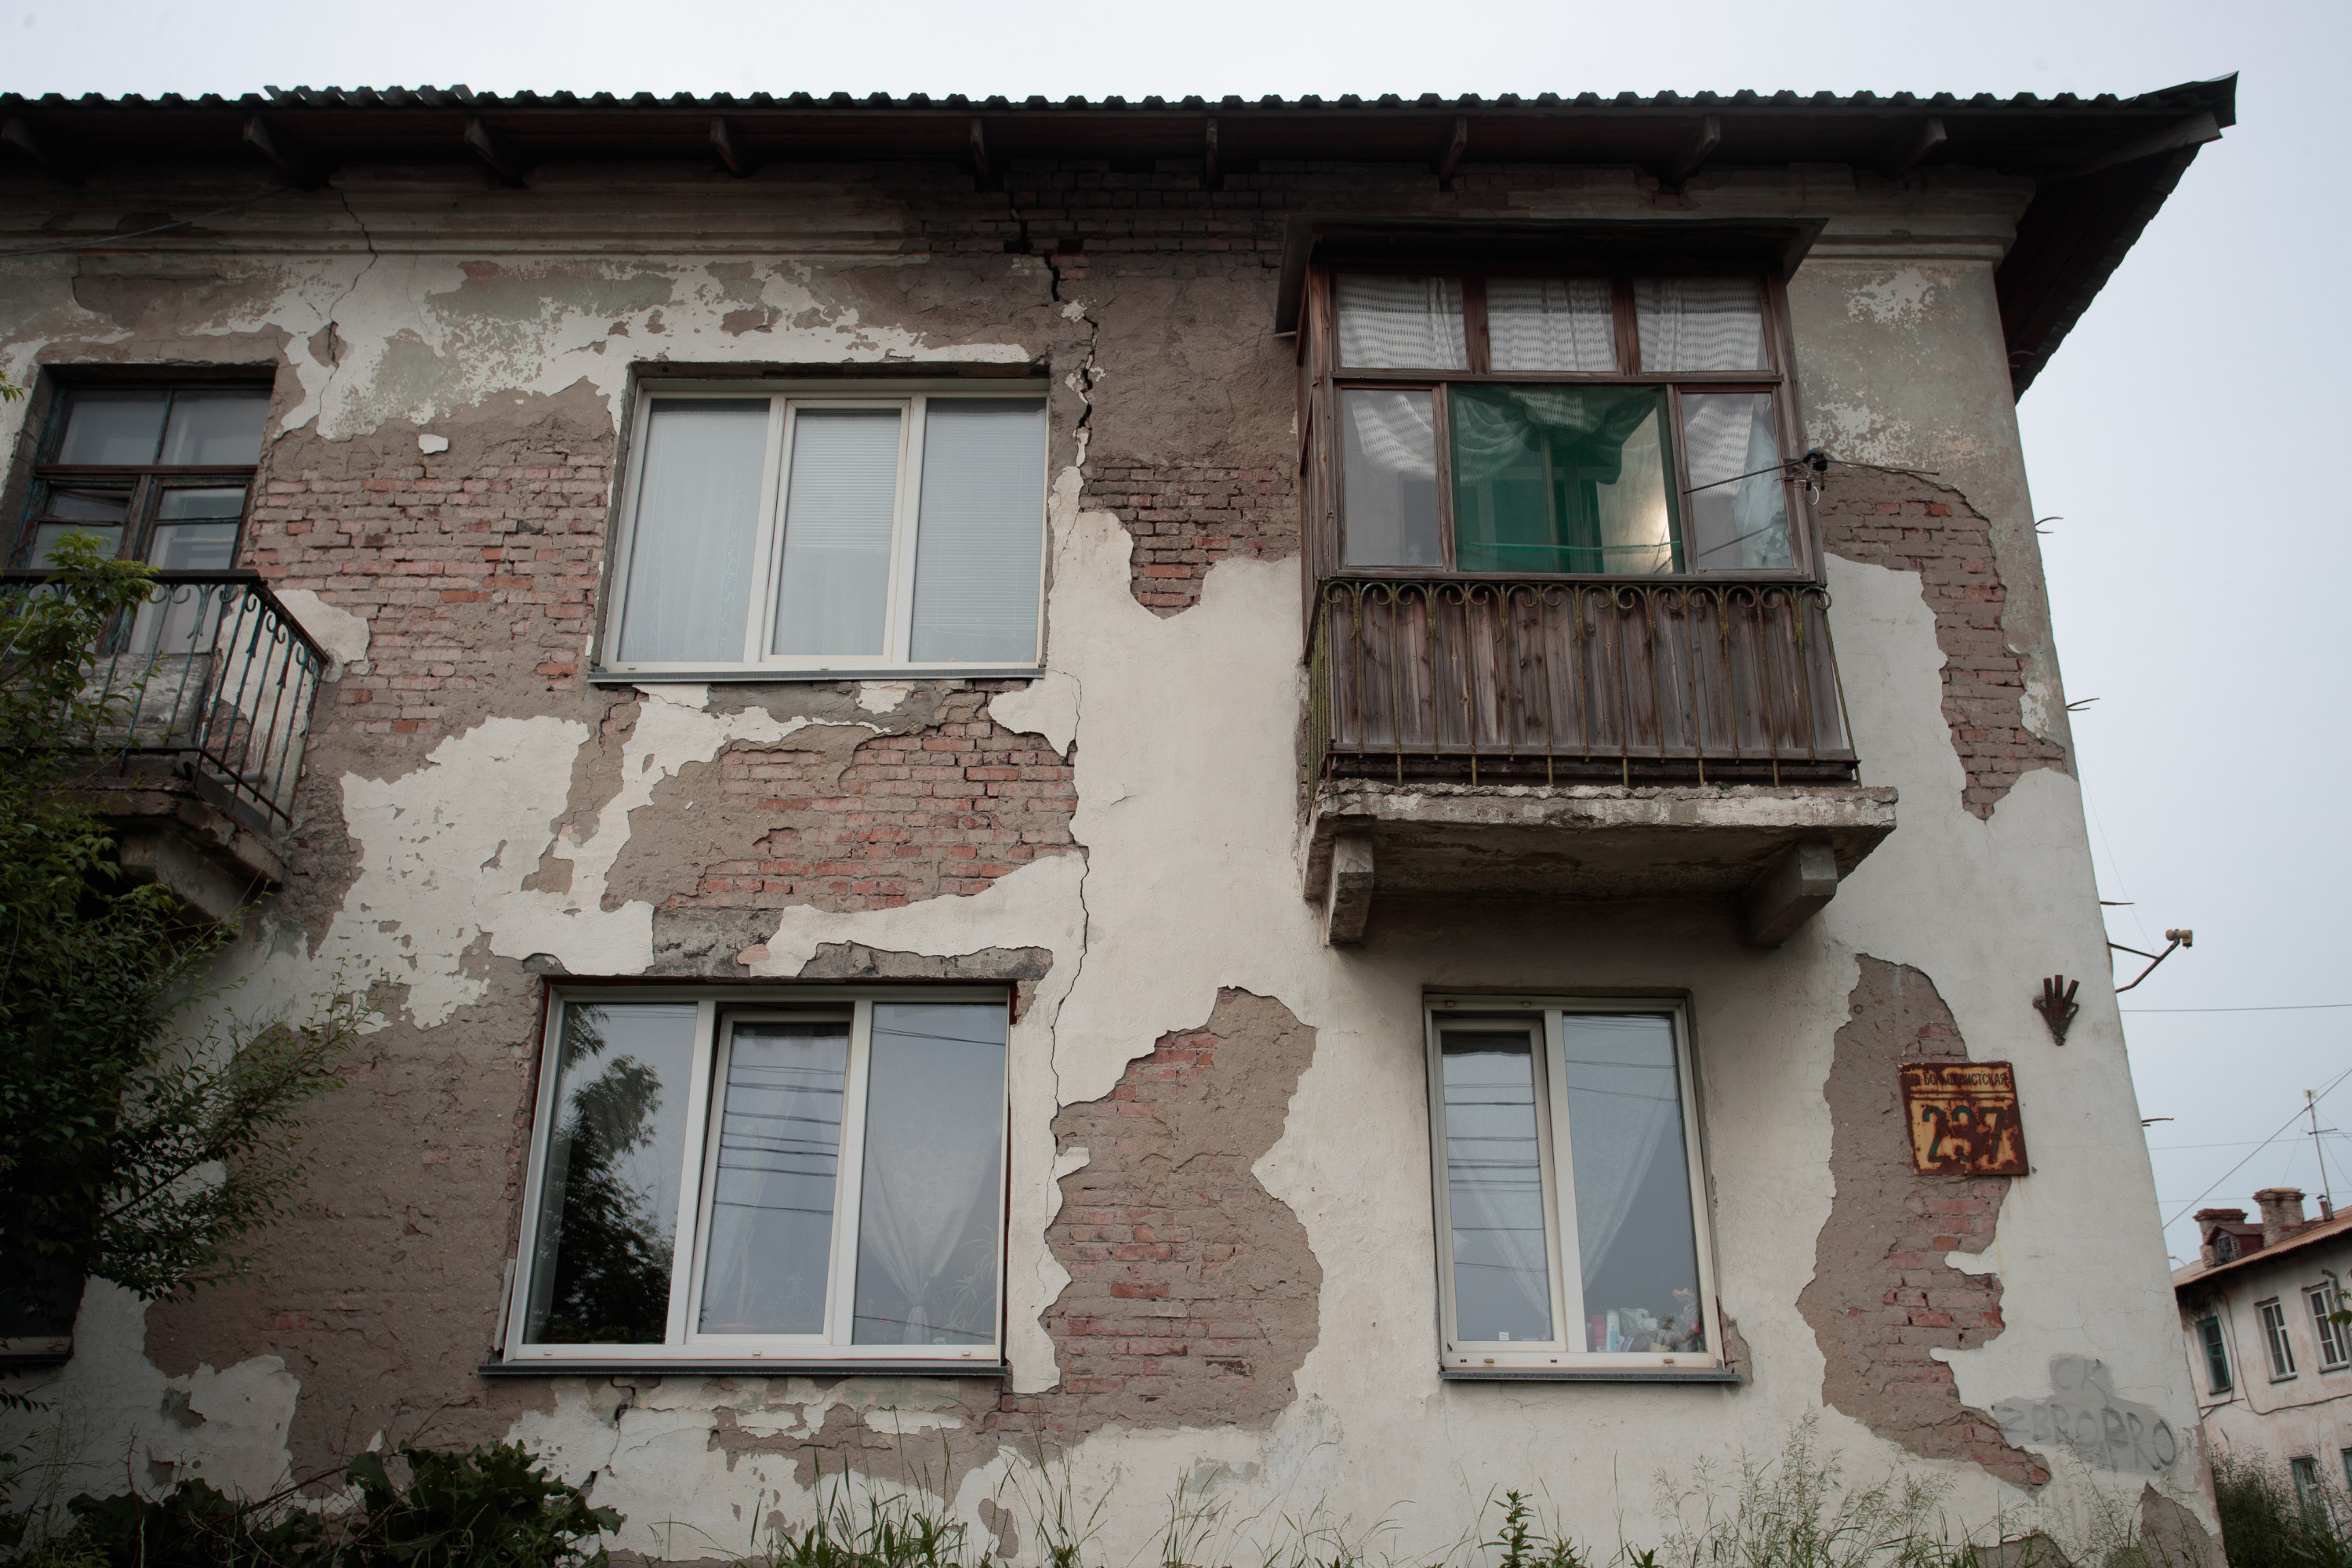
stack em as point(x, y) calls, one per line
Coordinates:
point(212, 668)
point(1568, 681)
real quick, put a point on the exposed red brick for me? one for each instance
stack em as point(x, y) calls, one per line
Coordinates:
point(1904, 523)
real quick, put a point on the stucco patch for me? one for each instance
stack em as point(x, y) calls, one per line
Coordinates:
point(1882, 1300)
point(2172, 1534)
point(380, 1297)
point(2084, 1415)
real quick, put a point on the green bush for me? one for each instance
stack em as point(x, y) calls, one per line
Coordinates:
point(2265, 1525)
point(489, 1507)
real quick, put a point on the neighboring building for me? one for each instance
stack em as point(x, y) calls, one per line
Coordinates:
point(1159, 784)
point(2270, 1355)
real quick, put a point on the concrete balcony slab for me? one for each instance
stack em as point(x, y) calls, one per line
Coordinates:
point(1779, 850)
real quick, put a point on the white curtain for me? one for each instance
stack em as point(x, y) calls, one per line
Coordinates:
point(1396, 431)
point(1401, 324)
point(1625, 1099)
point(1699, 323)
point(1742, 524)
point(934, 1125)
point(1551, 323)
point(1494, 428)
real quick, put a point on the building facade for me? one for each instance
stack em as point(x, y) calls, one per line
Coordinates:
point(1349, 804)
point(2269, 1349)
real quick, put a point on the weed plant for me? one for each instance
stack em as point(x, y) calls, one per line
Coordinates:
point(2265, 1524)
point(497, 1508)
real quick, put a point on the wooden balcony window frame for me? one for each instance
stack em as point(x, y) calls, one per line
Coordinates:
point(143, 484)
point(1322, 379)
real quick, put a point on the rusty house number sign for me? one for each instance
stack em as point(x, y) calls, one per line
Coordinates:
point(1963, 1118)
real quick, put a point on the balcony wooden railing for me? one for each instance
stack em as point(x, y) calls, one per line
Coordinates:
point(212, 669)
point(1576, 680)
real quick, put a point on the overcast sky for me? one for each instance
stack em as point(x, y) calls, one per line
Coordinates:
point(2184, 434)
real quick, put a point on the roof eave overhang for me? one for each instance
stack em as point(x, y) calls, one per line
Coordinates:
point(2102, 167)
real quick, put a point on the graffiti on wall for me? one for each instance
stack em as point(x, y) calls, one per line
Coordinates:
point(2084, 1413)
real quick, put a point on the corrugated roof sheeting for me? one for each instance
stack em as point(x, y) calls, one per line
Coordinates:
point(2103, 164)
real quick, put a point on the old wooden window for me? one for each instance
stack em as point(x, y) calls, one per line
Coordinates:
point(1566, 1165)
point(157, 473)
point(794, 1176)
point(2217, 1355)
point(2275, 1337)
point(1517, 424)
point(2326, 1299)
point(824, 529)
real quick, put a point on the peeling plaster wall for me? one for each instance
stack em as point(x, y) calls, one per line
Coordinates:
point(476, 818)
point(1881, 1301)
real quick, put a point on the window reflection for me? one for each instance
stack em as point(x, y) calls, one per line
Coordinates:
point(608, 1211)
point(1561, 478)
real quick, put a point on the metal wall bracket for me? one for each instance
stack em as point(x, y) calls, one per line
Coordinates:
point(2057, 1006)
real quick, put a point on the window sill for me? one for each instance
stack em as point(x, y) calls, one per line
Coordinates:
point(766, 1366)
point(1589, 1374)
point(731, 674)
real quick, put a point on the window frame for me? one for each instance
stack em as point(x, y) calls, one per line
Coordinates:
point(2303, 1469)
point(1458, 1357)
point(716, 1009)
point(2219, 1379)
point(2335, 1339)
point(786, 399)
point(1326, 379)
point(145, 484)
point(2277, 1342)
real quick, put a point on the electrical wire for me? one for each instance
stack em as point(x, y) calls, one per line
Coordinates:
point(2281, 1007)
point(97, 239)
point(2265, 1144)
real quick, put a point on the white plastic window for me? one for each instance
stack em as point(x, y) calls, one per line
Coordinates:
point(819, 1181)
point(804, 531)
point(1567, 1176)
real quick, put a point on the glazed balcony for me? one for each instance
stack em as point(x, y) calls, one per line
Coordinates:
point(211, 684)
point(1594, 739)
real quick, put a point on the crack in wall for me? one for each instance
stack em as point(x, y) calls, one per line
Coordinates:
point(334, 337)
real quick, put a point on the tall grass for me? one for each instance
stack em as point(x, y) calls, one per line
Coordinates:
point(1793, 1509)
point(2266, 1524)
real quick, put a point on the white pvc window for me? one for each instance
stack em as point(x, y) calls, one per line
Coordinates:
point(806, 532)
point(816, 1178)
point(1566, 1164)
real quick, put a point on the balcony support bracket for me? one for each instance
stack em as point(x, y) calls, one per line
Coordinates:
point(1348, 903)
point(1790, 892)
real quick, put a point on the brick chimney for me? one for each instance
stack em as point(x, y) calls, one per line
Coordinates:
point(2209, 1223)
point(2281, 1212)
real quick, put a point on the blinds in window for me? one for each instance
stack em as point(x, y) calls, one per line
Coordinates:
point(977, 563)
point(698, 519)
point(838, 509)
